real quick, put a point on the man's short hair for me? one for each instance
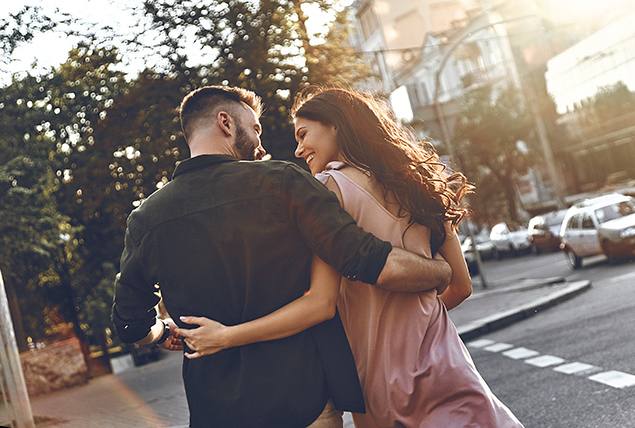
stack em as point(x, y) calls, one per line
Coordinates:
point(203, 103)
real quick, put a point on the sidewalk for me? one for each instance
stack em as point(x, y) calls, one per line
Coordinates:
point(152, 396)
point(498, 305)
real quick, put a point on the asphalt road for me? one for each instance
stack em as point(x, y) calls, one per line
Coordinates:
point(592, 334)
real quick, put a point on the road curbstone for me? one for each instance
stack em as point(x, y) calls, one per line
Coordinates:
point(502, 319)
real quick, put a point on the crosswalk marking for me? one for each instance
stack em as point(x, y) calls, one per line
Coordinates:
point(498, 347)
point(612, 378)
point(545, 361)
point(574, 368)
point(480, 343)
point(520, 353)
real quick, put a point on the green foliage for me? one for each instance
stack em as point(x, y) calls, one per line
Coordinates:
point(495, 142)
point(610, 102)
point(263, 46)
point(81, 146)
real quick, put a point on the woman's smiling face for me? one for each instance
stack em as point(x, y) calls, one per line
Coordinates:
point(317, 143)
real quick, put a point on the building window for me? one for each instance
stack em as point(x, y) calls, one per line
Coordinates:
point(368, 21)
point(418, 94)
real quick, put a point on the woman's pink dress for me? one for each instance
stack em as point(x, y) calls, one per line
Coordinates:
point(413, 367)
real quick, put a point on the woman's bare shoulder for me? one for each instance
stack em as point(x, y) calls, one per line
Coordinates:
point(366, 181)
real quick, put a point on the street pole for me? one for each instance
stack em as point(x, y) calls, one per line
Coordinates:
point(14, 387)
point(548, 153)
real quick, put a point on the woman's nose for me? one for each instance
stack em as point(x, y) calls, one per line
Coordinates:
point(299, 150)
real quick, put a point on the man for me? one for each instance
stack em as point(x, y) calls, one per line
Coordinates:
point(233, 241)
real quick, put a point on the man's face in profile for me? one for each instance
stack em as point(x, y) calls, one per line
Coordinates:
point(248, 129)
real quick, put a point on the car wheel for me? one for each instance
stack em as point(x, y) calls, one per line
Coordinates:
point(574, 261)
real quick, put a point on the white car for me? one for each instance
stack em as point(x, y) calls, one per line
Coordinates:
point(602, 225)
point(509, 240)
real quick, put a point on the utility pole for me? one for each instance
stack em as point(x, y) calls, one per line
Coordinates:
point(12, 381)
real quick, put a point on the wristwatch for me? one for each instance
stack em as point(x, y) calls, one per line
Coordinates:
point(165, 335)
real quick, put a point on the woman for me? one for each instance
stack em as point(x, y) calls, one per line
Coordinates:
point(413, 367)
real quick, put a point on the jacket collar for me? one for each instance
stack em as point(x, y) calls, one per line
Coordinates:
point(201, 161)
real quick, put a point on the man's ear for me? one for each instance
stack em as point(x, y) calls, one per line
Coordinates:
point(224, 121)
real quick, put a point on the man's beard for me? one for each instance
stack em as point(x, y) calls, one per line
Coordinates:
point(246, 149)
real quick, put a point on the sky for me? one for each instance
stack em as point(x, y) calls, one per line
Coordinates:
point(49, 50)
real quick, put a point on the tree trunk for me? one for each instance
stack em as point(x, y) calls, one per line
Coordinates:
point(509, 187)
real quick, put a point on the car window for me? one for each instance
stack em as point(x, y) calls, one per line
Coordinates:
point(573, 222)
point(587, 222)
point(556, 219)
point(611, 212)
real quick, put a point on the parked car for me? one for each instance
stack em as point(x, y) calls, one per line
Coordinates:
point(484, 246)
point(508, 239)
point(602, 225)
point(544, 231)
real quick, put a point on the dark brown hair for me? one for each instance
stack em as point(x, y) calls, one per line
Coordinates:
point(203, 103)
point(370, 138)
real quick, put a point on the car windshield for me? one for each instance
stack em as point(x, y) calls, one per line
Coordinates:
point(556, 218)
point(611, 212)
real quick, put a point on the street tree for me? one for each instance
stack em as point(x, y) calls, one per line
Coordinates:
point(263, 46)
point(495, 141)
point(30, 223)
point(46, 129)
point(610, 102)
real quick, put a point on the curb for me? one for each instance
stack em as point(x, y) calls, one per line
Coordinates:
point(503, 319)
point(522, 285)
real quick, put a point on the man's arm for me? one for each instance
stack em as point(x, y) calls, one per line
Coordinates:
point(335, 237)
point(407, 272)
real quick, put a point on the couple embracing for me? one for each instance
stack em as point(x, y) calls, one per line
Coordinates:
point(296, 298)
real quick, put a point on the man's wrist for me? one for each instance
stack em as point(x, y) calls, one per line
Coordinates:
point(166, 333)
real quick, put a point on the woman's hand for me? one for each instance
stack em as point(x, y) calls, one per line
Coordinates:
point(173, 342)
point(208, 338)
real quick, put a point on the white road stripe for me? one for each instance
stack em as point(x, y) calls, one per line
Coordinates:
point(574, 368)
point(520, 353)
point(614, 378)
point(498, 347)
point(480, 343)
point(623, 277)
point(545, 361)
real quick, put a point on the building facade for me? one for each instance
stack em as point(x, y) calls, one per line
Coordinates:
point(600, 147)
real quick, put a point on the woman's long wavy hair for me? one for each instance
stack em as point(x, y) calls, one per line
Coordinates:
point(370, 138)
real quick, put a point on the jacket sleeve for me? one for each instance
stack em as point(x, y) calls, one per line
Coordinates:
point(133, 311)
point(329, 230)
